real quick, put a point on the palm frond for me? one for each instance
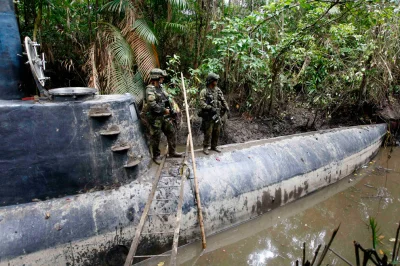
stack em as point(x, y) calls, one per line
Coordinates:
point(136, 88)
point(117, 44)
point(117, 51)
point(117, 6)
point(178, 3)
point(122, 79)
point(174, 26)
point(143, 30)
point(145, 57)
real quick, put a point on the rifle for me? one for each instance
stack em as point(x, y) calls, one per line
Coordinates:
point(172, 113)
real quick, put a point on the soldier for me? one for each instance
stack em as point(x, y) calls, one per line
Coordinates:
point(160, 116)
point(213, 107)
point(164, 75)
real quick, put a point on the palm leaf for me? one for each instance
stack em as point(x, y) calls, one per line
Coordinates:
point(144, 55)
point(136, 88)
point(143, 30)
point(117, 6)
point(174, 26)
point(117, 45)
point(122, 79)
point(118, 49)
point(178, 3)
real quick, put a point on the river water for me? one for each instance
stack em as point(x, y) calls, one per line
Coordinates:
point(276, 238)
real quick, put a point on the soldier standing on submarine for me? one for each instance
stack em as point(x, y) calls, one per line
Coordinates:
point(160, 116)
point(213, 106)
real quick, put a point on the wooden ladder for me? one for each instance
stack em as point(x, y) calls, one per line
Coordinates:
point(183, 170)
point(159, 183)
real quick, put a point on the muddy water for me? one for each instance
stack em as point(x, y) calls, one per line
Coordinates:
point(276, 238)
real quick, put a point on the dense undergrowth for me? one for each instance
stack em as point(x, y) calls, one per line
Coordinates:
point(327, 56)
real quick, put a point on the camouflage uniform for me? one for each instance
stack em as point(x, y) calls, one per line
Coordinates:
point(213, 105)
point(157, 101)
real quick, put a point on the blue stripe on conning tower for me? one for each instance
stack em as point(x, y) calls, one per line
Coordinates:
point(10, 46)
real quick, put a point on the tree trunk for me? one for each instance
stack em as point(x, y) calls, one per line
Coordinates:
point(197, 43)
point(275, 72)
point(364, 81)
point(97, 10)
point(38, 21)
point(89, 21)
point(169, 10)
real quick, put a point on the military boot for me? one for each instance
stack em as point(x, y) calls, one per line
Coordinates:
point(205, 150)
point(157, 160)
point(175, 154)
point(216, 149)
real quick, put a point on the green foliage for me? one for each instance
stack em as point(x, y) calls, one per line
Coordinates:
point(144, 32)
point(375, 231)
point(117, 6)
point(323, 53)
point(321, 49)
point(193, 83)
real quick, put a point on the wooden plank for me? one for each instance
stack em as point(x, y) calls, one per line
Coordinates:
point(150, 256)
point(135, 242)
point(179, 212)
point(196, 185)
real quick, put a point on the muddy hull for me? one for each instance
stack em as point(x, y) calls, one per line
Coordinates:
point(243, 182)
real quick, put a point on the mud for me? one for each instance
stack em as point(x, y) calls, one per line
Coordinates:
point(291, 120)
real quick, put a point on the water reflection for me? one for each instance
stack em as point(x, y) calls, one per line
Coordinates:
point(276, 238)
point(259, 258)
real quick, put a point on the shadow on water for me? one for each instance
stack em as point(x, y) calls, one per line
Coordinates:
point(276, 238)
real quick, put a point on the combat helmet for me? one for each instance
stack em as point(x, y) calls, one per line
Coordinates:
point(211, 77)
point(156, 74)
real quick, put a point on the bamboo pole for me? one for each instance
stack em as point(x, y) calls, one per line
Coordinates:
point(196, 186)
point(175, 242)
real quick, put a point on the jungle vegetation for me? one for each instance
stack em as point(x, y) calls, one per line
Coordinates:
point(319, 53)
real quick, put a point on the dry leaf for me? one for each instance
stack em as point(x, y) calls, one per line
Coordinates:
point(160, 264)
point(392, 239)
point(47, 215)
point(381, 237)
point(381, 252)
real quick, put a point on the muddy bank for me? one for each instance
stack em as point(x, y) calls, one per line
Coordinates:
point(242, 127)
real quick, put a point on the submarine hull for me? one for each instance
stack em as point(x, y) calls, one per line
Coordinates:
point(243, 182)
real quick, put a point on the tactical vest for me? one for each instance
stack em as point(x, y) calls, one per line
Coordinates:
point(213, 99)
point(161, 98)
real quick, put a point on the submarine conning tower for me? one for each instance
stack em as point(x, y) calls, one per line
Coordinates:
point(10, 46)
point(73, 141)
